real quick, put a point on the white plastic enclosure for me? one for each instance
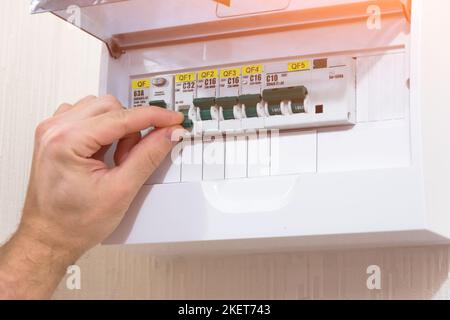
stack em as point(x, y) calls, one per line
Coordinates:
point(354, 167)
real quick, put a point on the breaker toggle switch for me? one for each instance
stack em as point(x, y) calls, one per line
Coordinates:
point(253, 112)
point(250, 104)
point(230, 114)
point(158, 103)
point(207, 109)
point(297, 103)
point(230, 108)
point(207, 116)
point(187, 122)
point(285, 101)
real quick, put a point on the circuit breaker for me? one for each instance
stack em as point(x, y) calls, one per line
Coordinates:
point(305, 121)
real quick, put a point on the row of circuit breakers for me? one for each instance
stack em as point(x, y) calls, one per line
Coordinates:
point(289, 94)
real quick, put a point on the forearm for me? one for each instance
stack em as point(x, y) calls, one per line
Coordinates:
point(30, 269)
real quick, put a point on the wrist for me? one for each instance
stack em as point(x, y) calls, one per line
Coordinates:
point(42, 247)
point(31, 266)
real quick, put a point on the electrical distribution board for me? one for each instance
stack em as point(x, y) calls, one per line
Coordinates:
point(308, 123)
point(228, 105)
point(290, 94)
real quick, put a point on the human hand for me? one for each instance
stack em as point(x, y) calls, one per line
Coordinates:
point(75, 200)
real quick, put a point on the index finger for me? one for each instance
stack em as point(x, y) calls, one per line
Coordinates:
point(111, 126)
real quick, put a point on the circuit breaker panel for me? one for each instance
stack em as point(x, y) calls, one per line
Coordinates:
point(290, 94)
point(225, 108)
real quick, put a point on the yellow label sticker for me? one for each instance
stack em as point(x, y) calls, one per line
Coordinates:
point(230, 73)
point(252, 69)
point(140, 84)
point(207, 74)
point(185, 77)
point(299, 65)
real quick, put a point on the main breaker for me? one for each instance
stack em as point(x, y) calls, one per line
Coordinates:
point(307, 123)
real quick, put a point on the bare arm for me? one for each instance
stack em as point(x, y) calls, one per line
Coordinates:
point(75, 200)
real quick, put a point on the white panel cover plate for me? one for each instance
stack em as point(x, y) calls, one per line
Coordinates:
point(293, 153)
point(360, 179)
point(323, 184)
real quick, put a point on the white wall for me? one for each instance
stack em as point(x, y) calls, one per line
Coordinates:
point(44, 62)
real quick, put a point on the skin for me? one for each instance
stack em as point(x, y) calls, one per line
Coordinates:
point(74, 199)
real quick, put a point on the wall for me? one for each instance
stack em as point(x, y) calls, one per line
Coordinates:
point(44, 62)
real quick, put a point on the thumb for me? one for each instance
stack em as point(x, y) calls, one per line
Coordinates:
point(147, 155)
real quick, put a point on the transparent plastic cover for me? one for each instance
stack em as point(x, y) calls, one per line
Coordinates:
point(132, 24)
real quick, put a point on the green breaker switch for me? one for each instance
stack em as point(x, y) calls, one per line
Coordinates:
point(158, 103)
point(296, 95)
point(227, 104)
point(250, 101)
point(205, 104)
point(187, 123)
